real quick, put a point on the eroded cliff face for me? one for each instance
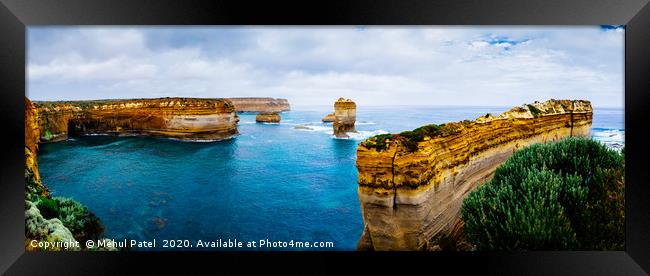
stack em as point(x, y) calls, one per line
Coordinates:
point(32, 135)
point(411, 189)
point(179, 118)
point(345, 115)
point(260, 104)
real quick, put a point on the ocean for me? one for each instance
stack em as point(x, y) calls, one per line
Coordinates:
point(273, 182)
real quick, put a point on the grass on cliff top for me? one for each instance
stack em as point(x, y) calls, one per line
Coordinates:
point(568, 195)
point(410, 138)
point(378, 142)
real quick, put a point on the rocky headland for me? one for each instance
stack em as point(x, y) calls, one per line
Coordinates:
point(412, 184)
point(345, 115)
point(267, 117)
point(52, 219)
point(260, 104)
point(179, 118)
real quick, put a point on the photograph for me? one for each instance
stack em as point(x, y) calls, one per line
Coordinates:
point(325, 138)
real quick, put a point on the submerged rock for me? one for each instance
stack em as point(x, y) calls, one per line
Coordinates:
point(302, 127)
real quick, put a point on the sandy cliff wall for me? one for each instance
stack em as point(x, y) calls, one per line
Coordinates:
point(411, 195)
point(180, 118)
point(32, 135)
point(345, 115)
point(260, 104)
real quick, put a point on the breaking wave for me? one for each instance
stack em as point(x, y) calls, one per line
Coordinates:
point(612, 138)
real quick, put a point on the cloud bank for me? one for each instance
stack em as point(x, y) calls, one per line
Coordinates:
point(480, 66)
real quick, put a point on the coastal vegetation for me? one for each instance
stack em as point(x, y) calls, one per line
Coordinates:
point(410, 138)
point(534, 110)
point(379, 142)
point(567, 195)
point(55, 219)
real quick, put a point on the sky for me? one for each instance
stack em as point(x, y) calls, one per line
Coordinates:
point(373, 65)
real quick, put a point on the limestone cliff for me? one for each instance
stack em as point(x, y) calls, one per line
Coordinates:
point(345, 115)
point(180, 118)
point(412, 184)
point(267, 117)
point(260, 104)
point(32, 134)
point(72, 222)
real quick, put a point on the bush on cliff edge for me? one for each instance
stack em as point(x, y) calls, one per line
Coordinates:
point(567, 195)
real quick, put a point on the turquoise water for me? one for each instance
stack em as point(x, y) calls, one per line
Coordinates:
point(271, 182)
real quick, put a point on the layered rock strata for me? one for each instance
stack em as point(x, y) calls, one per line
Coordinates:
point(329, 118)
point(260, 104)
point(32, 136)
point(411, 185)
point(179, 118)
point(345, 115)
point(267, 117)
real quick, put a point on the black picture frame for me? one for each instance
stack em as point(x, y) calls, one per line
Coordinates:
point(17, 15)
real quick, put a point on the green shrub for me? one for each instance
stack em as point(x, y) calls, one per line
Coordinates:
point(427, 130)
point(414, 136)
point(32, 188)
point(560, 196)
point(411, 138)
point(410, 145)
point(534, 110)
point(466, 123)
point(83, 224)
point(377, 142)
point(48, 207)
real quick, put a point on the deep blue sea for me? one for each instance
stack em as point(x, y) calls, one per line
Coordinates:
point(273, 181)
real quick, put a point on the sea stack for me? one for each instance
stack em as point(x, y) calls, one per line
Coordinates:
point(267, 117)
point(412, 184)
point(345, 114)
point(329, 118)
